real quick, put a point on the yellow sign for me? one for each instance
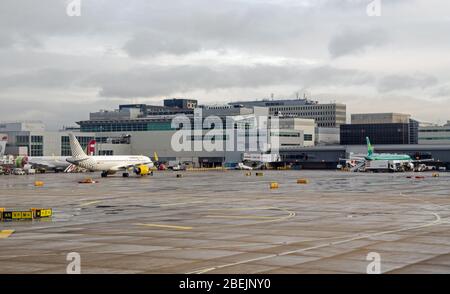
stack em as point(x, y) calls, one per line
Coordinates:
point(21, 215)
point(46, 212)
point(38, 213)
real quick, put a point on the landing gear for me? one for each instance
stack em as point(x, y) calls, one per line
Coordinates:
point(104, 174)
point(125, 175)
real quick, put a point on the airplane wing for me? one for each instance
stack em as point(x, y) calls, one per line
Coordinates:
point(424, 161)
point(127, 167)
point(42, 165)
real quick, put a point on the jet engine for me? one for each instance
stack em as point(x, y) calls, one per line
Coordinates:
point(142, 170)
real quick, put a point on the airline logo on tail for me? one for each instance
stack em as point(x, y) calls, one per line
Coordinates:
point(370, 148)
point(91, 148)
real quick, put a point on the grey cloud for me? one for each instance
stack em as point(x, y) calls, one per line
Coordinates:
point(6, 40)
point(47, 55)
point(53, 112)
point(442, 91)
point(356, 41)
point(43, 78)
point(327, 75)
point(150, 43)
point(163, 81)
point(405, 82)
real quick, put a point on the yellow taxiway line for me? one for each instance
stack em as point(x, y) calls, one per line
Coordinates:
point(89, 203)
point(180, 203)
point(165, 226)
point(5, 233)
point(242, 216)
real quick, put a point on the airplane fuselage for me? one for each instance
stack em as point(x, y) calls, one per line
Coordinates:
point(49, 161)
point(386, 156)
point(110, 163)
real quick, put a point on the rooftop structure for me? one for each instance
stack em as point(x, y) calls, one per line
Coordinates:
point(380, 118)
point(325, 115)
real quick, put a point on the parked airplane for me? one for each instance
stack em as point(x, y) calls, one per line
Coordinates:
point(3, 141)
point(384, 156)
point(141, 165)
point(55, 163)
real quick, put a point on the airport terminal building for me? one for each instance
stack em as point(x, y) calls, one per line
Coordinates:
point(149, 133)
point(328, 115)
point(435, 135)
point(381, 128)
point(140, 129)
point(32, 139)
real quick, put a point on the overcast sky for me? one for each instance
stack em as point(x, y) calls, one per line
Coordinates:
point(58, 68)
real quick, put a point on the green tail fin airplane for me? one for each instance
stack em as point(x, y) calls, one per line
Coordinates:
point(371, 155)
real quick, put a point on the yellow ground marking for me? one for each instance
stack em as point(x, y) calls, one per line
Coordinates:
point(180, 203)
point(246, 208)
point(5, 233)
point(242, 216)
point(89, 203)
point(165, 226)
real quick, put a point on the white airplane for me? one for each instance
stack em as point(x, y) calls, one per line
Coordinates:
point(56, 163)
point(108, 165)
point(3, 141)
point(242, 166)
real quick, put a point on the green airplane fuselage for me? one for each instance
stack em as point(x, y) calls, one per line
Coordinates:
point(371, 155)
point(388, 157)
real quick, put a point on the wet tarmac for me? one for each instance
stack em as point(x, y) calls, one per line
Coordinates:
point(227, 222)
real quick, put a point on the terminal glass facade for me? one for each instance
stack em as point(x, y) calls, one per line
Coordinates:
point(65, 144)
point(355, 134)
point(37, 146)
point(98, 127)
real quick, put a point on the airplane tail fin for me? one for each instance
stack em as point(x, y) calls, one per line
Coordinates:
point(75, 147)
point(3, 141)
point(91, 148)
point(369, 147)
point(155, 156)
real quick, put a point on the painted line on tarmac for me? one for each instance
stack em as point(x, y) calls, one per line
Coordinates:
point(6, 233)
point(438, 220)
point(165, 226)
point(90, 203)
point(242, 216)
point(180, 203)
point(262, 220)
point(245, 208)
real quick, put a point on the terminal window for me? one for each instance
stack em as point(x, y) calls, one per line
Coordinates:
point(308, 137)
